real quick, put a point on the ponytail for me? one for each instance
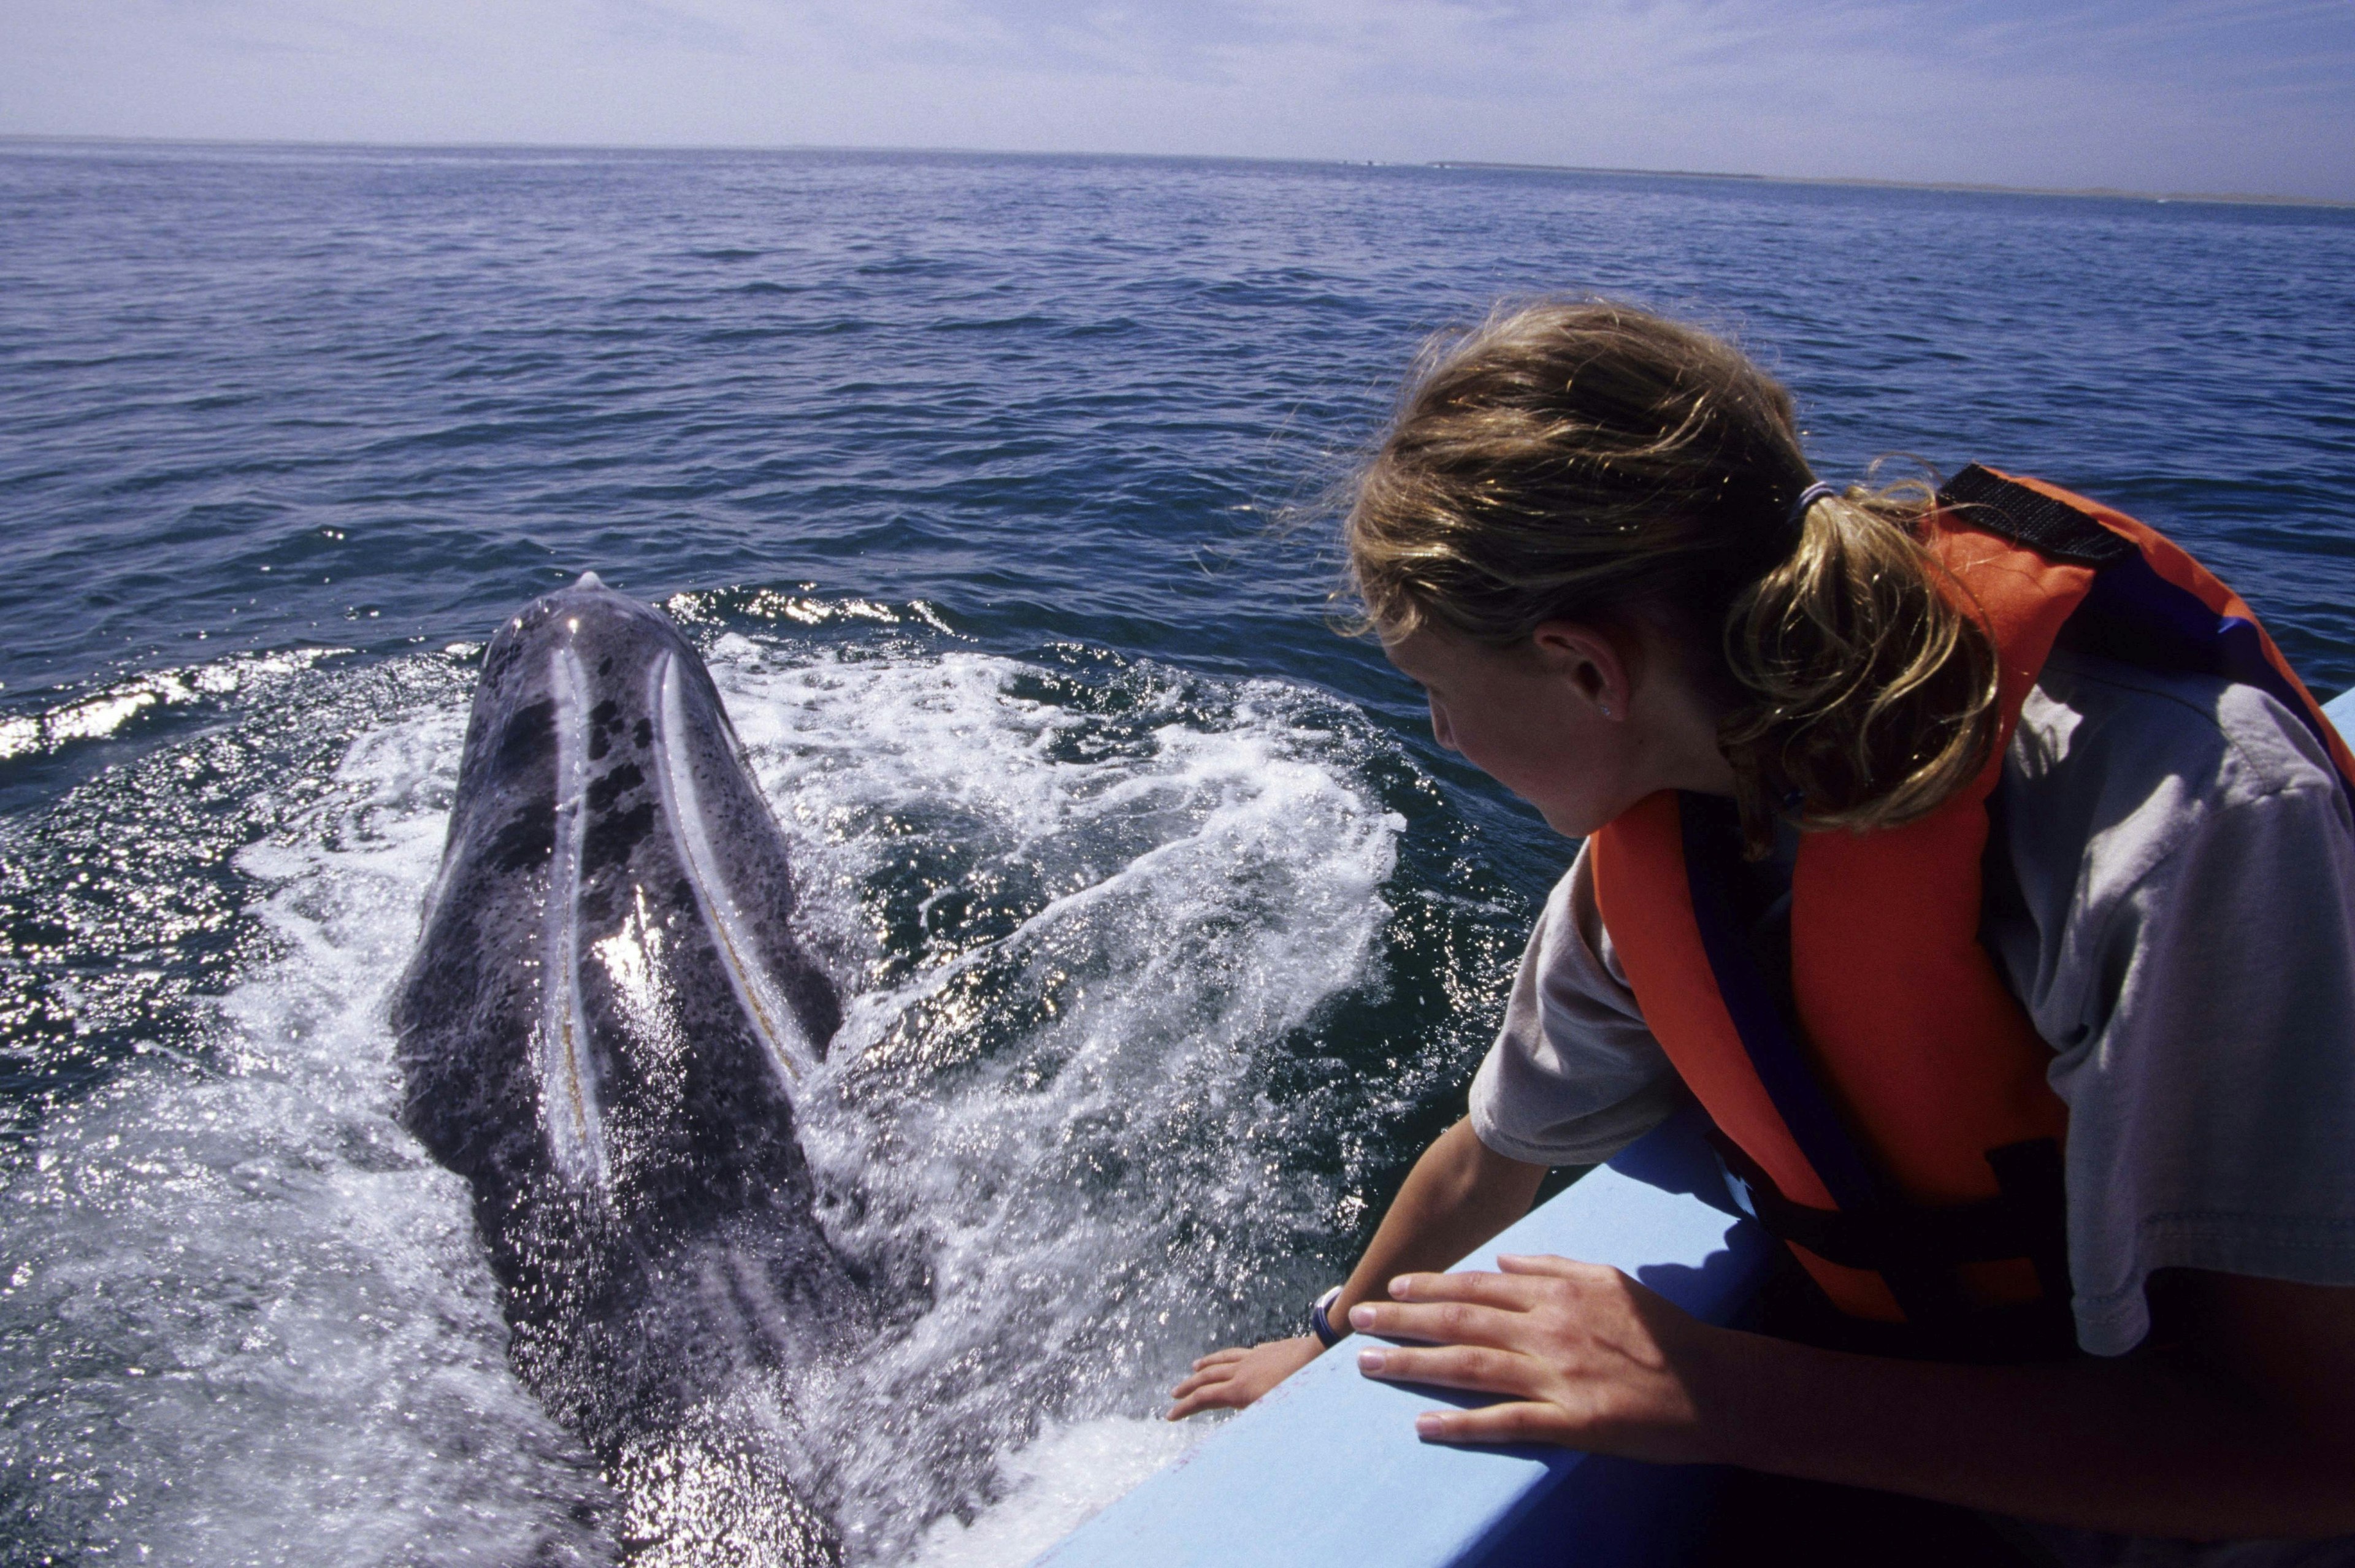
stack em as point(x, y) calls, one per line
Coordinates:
point(1586, 460)
point(1872, 689)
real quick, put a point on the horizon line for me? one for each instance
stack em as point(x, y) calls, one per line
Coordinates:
point(2103, 193)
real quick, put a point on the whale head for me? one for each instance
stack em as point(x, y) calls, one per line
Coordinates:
point(609, 974)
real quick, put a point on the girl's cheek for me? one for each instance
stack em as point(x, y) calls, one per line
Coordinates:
point(1441, 730)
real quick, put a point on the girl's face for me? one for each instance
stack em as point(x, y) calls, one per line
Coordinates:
point(1579, 721)
point(1524, 717)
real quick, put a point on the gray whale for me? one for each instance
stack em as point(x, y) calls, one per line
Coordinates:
point(601, 1032)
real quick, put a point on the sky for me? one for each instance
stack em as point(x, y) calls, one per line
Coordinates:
point(2253, 97)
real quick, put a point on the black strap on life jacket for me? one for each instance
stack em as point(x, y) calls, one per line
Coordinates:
point(2021, 1220)
point(2011, 510)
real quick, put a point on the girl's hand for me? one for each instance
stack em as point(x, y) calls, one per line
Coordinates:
point(1234, 1377)
point(1585, 1357)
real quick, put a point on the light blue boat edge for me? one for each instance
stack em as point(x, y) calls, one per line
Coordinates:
point(1328, 1467)
point(2340, 711)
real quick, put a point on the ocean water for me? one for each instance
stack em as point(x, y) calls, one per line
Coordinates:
point(1167, 935)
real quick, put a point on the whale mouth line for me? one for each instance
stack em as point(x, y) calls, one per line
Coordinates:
point(568, 1074)
point(683, 806)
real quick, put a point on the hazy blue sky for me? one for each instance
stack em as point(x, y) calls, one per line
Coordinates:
point(2221, 95)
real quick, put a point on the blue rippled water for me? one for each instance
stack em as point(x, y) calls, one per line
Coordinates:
point(965, 469)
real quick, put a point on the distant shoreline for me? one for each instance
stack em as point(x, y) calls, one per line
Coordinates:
point(2101, 193)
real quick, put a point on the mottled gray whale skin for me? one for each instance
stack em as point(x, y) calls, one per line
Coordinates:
point(601, 1032)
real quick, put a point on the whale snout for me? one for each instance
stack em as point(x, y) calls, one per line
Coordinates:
point(594, 621)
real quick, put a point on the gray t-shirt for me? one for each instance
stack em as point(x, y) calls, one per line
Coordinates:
point(2174, 901)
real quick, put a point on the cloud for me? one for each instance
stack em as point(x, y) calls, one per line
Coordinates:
point(2253, 95)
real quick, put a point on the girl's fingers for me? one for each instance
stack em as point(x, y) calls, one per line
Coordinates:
point(1505, 1290)
point(1514, 1421)
point(1473, 1368)
point(1220, 1358)
point(1194, 1406)
point(1544, 1263)
point(1437, 1322)
point(1202, 1379)
point(1213, 1389)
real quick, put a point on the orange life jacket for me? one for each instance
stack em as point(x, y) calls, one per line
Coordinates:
point(1889, 1115)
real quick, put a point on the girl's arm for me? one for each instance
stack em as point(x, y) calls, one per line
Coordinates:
point(1459, 1194)
point(2238, 1422)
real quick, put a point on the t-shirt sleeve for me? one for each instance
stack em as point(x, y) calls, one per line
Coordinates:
point(1575, 1075)
point(2211, 1073)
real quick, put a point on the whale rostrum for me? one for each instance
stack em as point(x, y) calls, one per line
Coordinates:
point(602, 1031)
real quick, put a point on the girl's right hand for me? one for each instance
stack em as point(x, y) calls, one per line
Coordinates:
point(1235, 1377)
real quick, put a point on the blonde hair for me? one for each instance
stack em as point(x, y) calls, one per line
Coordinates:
point(1587, 461)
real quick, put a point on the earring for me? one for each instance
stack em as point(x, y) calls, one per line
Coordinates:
point(1607, 708)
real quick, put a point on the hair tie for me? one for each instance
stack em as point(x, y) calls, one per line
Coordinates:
point(1819, 491)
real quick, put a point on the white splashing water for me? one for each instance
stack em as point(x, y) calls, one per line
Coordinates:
point(1058, 1483)
point(247, 1322)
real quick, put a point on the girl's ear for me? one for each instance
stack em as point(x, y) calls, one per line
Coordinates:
point(1600, 665)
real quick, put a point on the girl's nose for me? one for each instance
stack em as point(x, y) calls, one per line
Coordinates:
point(1441, 731)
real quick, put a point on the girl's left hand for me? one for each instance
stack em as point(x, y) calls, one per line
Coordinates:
point(1585, 1357)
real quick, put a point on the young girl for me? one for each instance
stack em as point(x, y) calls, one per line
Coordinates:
point(1978, 865)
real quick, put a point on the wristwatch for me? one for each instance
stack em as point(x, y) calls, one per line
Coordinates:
point(1322, 1326)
